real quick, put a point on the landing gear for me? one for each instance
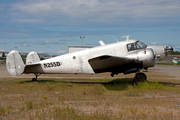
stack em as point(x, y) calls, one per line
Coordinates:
point(139, 77)
point(36, 74)
point(113, 73)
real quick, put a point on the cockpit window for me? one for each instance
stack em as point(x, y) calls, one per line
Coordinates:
point(136, 46)
point(131, 47)
point(141, 45)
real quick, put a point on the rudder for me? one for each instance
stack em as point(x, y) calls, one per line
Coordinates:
point(14, 63)
point(32, 57)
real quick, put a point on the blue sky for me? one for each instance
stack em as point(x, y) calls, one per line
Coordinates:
point(50, 26)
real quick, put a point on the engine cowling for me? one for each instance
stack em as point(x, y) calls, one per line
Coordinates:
point(147, 57)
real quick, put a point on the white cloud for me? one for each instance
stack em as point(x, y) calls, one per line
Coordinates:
point(2, 42)
point(93, 44)
point(61, 52)
point(24, 44)
point(96, 11)
point(2, 50)
point(178, 47)
point(67, 40)
point(30, 20)
point(48, 42)
point(153, 43)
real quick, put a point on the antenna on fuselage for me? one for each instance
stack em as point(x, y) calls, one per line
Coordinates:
point(115, 38)
point(127, 37)
point(102, 43)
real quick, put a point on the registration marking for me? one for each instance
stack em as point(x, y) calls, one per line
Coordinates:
point(52, 64)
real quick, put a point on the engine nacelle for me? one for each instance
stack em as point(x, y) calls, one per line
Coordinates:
point(161, 51)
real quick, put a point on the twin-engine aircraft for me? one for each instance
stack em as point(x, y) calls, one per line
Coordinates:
point(129, 56)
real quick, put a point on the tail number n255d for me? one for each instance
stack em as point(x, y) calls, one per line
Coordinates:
point(52, 64)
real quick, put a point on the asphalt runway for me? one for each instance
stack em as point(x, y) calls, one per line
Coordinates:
point(172, 70)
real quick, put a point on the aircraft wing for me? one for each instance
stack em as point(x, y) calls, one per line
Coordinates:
point(107, 63)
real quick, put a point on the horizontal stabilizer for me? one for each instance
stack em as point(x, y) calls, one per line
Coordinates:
point(32, 68)
point(14, 63)
point(32, 57)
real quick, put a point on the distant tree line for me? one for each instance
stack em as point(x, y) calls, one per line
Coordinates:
point(175, 53)
point(3, 55)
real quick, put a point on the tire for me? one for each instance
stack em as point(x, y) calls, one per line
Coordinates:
point(140, 77)
point(34, 79)
point(144, 75)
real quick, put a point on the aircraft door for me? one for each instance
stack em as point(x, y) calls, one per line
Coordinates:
point(76, 64)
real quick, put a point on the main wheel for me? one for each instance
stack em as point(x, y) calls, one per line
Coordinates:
point(140, 77)
point(34, 79)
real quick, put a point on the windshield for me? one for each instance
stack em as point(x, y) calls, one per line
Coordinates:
point(136, 46)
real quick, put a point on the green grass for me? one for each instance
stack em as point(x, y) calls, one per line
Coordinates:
point(149, 86)
point(87, 99)
point(3, 62)
point(5, 110)
point(165, 64)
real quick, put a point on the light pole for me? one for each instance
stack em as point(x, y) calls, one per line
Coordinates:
point(82, 39)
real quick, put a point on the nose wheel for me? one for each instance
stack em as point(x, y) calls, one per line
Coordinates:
point(140, 77)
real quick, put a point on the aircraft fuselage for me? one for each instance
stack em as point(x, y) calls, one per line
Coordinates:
point(77, 62)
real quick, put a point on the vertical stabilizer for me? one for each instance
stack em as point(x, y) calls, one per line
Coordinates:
point(14, 63)
point(32, 57)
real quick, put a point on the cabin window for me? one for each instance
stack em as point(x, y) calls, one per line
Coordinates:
point(74, 57)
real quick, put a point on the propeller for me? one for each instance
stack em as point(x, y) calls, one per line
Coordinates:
point(168, 50)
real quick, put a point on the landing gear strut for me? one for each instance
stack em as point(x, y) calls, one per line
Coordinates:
point(113, 73)
point(139, 77)
point(36, 74)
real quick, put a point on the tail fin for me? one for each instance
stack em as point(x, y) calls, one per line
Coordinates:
point(14, 63)
point(32, 57)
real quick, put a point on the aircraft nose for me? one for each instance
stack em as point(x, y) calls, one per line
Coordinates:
point(168, 50)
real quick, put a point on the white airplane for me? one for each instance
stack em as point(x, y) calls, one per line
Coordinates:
point(126, 57)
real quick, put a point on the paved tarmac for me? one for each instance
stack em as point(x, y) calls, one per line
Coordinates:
point(172, 70)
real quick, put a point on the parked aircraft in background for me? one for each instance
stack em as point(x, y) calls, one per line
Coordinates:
point(176, 60)
point(129, 56)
